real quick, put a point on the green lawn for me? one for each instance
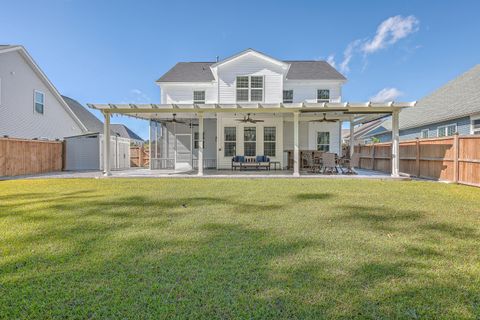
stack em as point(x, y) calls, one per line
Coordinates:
point(205, 248)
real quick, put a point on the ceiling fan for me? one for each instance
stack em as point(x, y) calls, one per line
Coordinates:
point(324, 119)
point(174, 120)
point(247, 119)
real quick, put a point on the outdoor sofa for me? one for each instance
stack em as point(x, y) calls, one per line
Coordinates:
point(257, 163)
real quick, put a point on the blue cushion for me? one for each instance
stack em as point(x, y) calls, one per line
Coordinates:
point(262, 159)
point(238, 159)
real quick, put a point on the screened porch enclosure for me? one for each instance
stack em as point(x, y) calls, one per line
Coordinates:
point(174, 146)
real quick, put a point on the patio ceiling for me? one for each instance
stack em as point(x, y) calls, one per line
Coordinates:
point(363, 112)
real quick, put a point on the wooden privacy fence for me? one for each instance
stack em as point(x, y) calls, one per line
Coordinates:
point(455, 158)
point(21, 157)
point(139, 156)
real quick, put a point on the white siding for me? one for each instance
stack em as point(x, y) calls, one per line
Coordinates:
point(251, 65)
point(17, 116)
point(308, 135)
point(183, 93)
point(306, 91)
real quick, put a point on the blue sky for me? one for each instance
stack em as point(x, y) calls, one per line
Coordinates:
point(113, 51)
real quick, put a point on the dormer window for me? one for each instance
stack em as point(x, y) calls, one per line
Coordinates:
point(250, 88)
point(199, 97)
point(323, 95)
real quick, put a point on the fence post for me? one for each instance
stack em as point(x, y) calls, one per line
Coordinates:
point(140, 156)
point(455, 157)
point(373, 156)
point(417, 157)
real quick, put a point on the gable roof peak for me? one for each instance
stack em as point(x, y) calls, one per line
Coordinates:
point(249, 51)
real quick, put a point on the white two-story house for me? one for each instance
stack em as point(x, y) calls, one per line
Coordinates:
point(248, 79)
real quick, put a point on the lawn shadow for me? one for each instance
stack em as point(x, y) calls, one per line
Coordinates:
point(313, 196)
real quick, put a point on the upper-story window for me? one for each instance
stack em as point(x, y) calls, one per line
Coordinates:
point(199, 97)
point(287, 96)
point(250, 88)
point(38, 101)
point(323, 95)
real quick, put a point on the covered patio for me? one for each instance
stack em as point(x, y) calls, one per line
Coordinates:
point(354, 113)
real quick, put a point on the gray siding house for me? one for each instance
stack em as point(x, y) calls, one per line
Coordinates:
point(453, 108)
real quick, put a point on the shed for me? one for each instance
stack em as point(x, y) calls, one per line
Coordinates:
point(85, 152)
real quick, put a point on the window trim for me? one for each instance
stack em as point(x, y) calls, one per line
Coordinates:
point(283, 96)
point(199, 101)
point(229, 141)
point(35, 91)
point(251, 142)
point(196, 140)
point(322, 100)
point(422, 131)
point(323, 144)
point(446, 130)
point(249, 88)
point(270, 141)
point(472, 129)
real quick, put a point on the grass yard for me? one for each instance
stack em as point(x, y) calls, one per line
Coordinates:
point(208, 248)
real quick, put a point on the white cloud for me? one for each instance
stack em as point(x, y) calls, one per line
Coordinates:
point(390, 31)
point(386, 94)
point(348, 54)
point(331, 60)
point(138, 96)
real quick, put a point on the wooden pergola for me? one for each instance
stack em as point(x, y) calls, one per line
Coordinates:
point(356, 113)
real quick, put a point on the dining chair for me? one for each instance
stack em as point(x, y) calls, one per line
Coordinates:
point(329, 163)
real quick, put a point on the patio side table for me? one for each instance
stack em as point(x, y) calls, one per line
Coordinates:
point(275, 165)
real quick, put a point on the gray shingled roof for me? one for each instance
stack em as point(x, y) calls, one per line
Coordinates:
point(299, 70)
point(458, 98)
point(312, 70)
point(123, 131)
point(189, 72)
point(92, 123)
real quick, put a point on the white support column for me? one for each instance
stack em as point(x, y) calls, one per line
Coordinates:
point(296, 151)
point(150, 155)
point(106, 145)
point(200, 144)
point(352, 138)
point(395, 145)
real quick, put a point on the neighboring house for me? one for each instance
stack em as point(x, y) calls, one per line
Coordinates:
point(121, 130)
point(30, 106)
point(454, 108)
point(360, 131)
point(247, 78)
